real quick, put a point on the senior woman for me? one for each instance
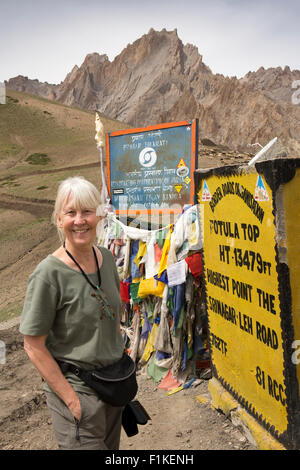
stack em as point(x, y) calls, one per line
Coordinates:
point(64, 320)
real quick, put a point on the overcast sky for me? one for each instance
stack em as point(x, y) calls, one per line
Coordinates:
point(45, 39)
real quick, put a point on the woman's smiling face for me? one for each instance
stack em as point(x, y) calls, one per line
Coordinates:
point(79, 224)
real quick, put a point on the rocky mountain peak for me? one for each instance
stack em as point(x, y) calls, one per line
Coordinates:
point(275, 82)
point(95, 59)
point(158, 79)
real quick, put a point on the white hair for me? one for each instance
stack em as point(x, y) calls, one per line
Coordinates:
point(85, 195)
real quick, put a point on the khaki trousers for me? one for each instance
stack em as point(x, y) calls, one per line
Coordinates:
point(99, 427)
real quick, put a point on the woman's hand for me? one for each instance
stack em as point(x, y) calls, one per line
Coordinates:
point(40, 356)
point(75, 407)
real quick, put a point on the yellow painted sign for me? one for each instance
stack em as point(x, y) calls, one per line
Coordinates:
point(178, 187)
point(181, 163)
point(290, 244)
point(242, 292)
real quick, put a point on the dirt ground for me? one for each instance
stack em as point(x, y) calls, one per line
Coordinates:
point(178, 421)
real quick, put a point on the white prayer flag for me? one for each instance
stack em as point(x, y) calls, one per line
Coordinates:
point(176, 273)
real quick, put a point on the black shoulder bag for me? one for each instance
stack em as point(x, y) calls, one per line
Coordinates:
point(115, 384)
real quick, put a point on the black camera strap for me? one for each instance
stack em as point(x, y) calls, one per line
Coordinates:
point(98, 293)
point(82, 271)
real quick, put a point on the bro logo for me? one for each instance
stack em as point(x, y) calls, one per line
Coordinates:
point(147, 157)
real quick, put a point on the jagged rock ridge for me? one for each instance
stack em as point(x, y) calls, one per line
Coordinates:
point(159, 79)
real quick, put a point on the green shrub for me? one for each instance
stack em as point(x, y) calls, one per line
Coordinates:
point(38, 159)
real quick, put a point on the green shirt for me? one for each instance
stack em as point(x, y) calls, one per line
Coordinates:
point(59, 303)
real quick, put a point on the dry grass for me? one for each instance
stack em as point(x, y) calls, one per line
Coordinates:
point(32, 125)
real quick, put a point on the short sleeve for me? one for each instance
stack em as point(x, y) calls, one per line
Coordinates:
point(39, 308)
